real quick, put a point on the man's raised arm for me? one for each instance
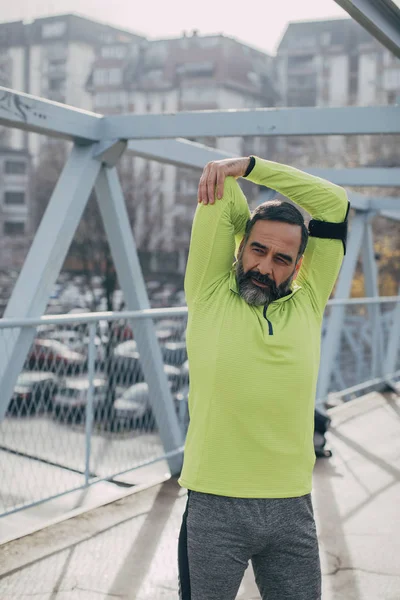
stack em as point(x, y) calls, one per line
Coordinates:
point(324, 201)
point(218, 226)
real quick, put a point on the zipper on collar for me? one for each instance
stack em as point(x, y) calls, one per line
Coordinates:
point(270, 328)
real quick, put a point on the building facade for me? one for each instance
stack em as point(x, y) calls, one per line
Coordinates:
point(50, 57)
point(334, 63)
point(15, 206)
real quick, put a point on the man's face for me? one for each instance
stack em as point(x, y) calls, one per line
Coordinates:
point(267, 262)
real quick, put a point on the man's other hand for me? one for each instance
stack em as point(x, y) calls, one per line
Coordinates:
point(214, 174)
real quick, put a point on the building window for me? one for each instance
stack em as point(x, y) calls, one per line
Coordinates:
point(302, 63)
point(15, 167)
point(57, 67)
point(391, 79)
point(188, 187)
point(196, 69)
point(353, 75)
point(107, 77)
point(326, 38)
point(56, 85)
point(113, 51)
point(14, 197)
point(55, 29)
point(14, 227)
point(393, 98)
point(110, 99)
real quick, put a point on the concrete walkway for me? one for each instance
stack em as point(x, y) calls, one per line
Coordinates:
point(127, 549)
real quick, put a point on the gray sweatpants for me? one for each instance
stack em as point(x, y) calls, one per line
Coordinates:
point(220, 535)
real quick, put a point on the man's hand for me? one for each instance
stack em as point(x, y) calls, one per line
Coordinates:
point(214, 174)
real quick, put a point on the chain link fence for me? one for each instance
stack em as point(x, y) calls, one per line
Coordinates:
point(82, 412)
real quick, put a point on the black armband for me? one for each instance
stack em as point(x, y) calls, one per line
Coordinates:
point(250, 167)
point(332, 231)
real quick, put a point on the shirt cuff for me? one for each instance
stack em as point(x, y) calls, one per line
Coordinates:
point(250, 167)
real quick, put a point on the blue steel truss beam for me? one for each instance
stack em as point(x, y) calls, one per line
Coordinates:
point(179, 152)
point(37, 115)
point(381, 204)
point(123, 249)
point(351, 120)
point(380, 17)
point(183, 153)
point(27, 112)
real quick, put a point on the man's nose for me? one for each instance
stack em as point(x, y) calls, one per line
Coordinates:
point(265, 267)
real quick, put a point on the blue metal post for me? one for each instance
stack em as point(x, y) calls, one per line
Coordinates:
point(123, 249)
point(89, 400)
point(371, 289)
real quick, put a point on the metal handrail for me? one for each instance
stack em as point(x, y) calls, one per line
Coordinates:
point(156, 313)
point(91, 317)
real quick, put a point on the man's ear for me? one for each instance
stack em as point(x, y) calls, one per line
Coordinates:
point(298, 266)
point(240, 249)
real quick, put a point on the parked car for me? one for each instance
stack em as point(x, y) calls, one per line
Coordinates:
point(174, 353)
point(127, 368)
point(121, 330)
point(52, 355)
point(72, 339)
point(176, 326)
point(34, 392)
point(69, 403)
point(132, 409)
point(78, 341)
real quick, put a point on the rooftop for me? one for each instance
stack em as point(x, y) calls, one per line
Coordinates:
point(343, 32)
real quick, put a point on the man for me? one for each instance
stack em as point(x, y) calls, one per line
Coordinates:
point(253, 343)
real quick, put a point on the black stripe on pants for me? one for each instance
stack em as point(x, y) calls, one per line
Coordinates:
point(183, 560)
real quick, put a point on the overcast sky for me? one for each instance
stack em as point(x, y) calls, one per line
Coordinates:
point(256, 22)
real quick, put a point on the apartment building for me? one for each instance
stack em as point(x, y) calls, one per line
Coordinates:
point(52, 56)
point(192, 72)
point(49, 57)
point(15, 205)
point(334, 63)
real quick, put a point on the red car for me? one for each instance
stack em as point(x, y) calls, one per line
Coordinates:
point(54, 356)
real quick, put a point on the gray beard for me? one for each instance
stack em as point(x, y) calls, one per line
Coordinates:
point(255, 295)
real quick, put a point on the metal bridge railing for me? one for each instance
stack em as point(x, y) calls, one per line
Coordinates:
point(368, 355)
point(81, 411)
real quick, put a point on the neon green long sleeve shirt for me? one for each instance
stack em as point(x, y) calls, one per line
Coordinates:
point(252, 386)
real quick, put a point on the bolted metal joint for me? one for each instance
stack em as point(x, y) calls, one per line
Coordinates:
point(108, 152)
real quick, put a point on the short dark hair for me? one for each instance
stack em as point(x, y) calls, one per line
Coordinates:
point(279, 210)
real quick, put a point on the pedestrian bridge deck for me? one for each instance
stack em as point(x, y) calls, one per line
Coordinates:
point(127, 548)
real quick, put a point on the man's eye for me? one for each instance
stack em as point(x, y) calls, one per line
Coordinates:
point(280, 260)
